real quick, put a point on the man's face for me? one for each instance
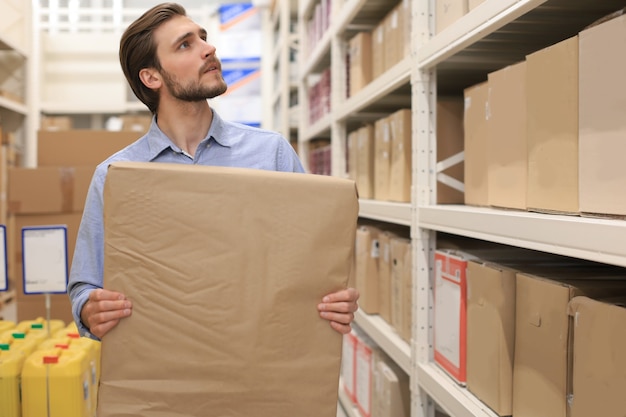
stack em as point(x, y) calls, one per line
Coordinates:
point(190, 69)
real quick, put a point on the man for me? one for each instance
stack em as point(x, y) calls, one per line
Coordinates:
point(173, 70)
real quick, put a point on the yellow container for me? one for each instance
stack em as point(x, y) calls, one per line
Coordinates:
point(19, 341)
point(39, 327)
point(92, 350)
point(56, 380)
point(6, 325)
point(11, 362)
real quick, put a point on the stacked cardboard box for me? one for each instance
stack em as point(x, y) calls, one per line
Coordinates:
point(501, 325)
point(54, 194)
point(379, 388)
point(391, 39)
point(383, 275)
point(448, 12)
point(545, 134)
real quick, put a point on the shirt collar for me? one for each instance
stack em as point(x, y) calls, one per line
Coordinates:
point(158, 141)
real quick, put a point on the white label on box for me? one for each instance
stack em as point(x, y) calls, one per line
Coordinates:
point(44, 259)
point(4, 281)
point(447, 314)
point(375, 252)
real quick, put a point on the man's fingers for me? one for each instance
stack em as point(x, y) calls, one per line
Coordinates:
point(103, 295)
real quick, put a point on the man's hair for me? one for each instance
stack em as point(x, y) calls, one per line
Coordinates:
point(138, 49)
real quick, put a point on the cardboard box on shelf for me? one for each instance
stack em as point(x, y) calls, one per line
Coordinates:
point(450, 327)
point(136, 123)
point(449, 145)
point(56, 123)
point(378, 50)
point(472, 4)
point(382, 159)
point(367, 354)
point(400, 173)
point(599, 368)
point(552, 94)
point(392, 394)
point(543, 330)
point(476, 146)
point(491, 334)
point(48, 190)
point(602, 173)
point(365, 162)
point(80, 147)
point(360, 51)
point(366, 268)
point(348, 365)
point(384, 275)
point(507, 151)
point(401, 284)
point(393, 49)
point(353, 156)
point(240, 287)
point(448, 12)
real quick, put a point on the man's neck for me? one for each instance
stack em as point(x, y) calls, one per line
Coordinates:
point(186, 125)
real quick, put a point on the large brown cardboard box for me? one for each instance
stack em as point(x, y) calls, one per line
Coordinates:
point(552, 97)
point(507, 138)
point(602, 129)
point(360, 50)
point(384, 275)
point(367, 264)
point(393, 48)
point(491, 334)
point(225, 271)
point(450, 144)
point(599, 368)
point(80, 147)
point(365, 162)
point(353, 156)
point(401, 284)
point(476, 166)
point(48, 189)
point(542, 364)
point(382, 159)
point(449, 11)
point(378, 50)
point(474, 3)
point(400, 173)
point(392, 390)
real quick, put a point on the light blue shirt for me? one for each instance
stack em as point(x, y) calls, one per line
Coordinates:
point(226, 144)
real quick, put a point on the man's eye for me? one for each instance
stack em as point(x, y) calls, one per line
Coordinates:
point(184, 45)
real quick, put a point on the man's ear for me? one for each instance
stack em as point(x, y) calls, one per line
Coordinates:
point(150, 78)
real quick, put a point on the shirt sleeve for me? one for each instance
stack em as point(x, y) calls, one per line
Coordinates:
point(288, 160)
point(86, 272)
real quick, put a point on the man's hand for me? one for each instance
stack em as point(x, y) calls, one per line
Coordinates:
point(338, 308)
point(103, 310)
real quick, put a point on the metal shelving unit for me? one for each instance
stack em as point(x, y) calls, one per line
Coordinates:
point(278, 63)
point(493, 35)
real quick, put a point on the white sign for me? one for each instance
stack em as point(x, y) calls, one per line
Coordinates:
point(4, 281)
point(44, 259)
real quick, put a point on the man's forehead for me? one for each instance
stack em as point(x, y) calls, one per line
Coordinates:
point(176, 27)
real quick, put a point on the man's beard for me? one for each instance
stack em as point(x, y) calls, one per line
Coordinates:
point(192, 92)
